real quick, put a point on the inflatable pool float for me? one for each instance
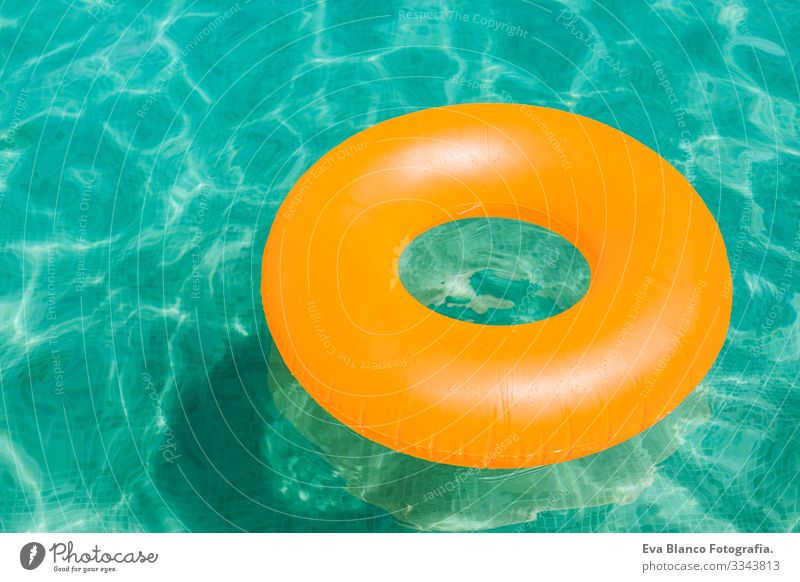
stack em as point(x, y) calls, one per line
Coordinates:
point(642, 337)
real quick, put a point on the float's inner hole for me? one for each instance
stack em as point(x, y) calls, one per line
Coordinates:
point(494, 271)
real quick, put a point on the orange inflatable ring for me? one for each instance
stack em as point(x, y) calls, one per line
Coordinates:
point(641, 338)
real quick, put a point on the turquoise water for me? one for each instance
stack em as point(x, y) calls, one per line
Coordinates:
point(144, 150)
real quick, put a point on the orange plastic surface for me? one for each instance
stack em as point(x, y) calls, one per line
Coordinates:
point(644, 335)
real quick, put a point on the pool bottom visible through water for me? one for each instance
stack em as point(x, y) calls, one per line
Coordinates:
point(494, 271)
